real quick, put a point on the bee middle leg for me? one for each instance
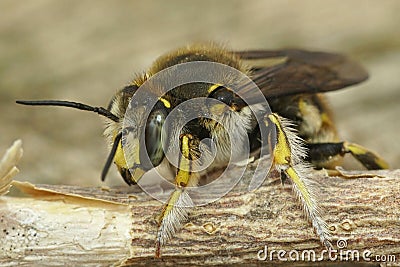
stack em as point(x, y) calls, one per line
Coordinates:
point(177, 208)
point(322, 154)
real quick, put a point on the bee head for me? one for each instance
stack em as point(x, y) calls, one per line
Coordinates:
point(137, 141)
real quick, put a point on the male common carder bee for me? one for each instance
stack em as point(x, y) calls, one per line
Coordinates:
point(290, 80)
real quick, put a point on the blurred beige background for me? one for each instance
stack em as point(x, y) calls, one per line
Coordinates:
point(86, 50)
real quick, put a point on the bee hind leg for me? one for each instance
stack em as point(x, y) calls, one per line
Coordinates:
point(320, 154)
point(289, 152)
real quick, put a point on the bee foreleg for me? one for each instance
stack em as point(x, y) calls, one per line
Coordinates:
point(176, 210)
point(289, 153)
point(320, 154)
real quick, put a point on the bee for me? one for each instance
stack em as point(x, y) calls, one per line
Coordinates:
point(301, 135)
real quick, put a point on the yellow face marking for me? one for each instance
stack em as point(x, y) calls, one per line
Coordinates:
point(120, 160)
point(119, 157)
point(213, 87)
point(166, 103)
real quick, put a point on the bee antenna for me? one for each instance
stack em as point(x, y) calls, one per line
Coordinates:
point(99, 110)
point(111, 157)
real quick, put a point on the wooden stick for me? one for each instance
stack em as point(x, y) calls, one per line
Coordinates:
point(96, 226)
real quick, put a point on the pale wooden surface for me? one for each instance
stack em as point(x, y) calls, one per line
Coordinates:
point(94, 226)
point(71, 225)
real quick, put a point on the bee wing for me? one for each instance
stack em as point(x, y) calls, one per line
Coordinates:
point(287, 72)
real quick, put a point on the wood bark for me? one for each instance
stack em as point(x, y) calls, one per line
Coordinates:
point(68, 225)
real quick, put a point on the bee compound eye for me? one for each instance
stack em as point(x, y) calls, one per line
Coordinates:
point(154, 139)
